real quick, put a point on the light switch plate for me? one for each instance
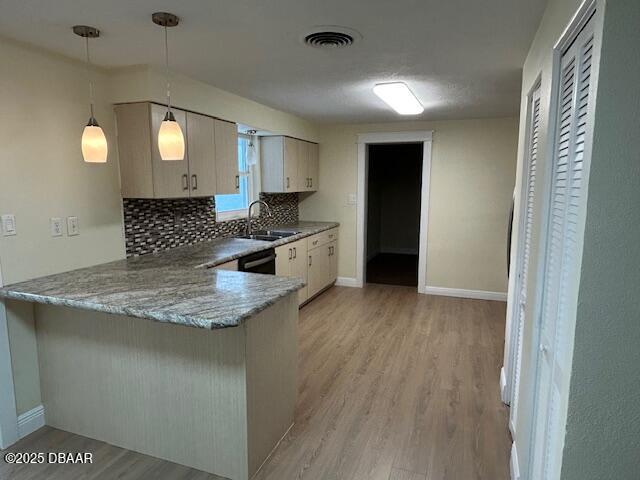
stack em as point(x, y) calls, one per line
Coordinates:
point(73, 227)
point(56, 226)
point(8, 225)
point(352, 199)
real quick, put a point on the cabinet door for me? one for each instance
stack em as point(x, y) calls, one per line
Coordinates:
point(170, 177)
point(333, 262)
point(313, 166)
point(318, 269)
point(272, 164)
point(134, 150)
point(202, 160)
point(303, 163)
point(290, 164)
point(284, 254)
point(226, 148)
point(299, 267)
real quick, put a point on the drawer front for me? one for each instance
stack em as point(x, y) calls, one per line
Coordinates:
point(322, 238)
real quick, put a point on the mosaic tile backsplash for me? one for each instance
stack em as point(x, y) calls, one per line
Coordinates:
point(154, 225)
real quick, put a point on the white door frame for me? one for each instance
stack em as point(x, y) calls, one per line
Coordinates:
point(580, 18)
point(364, 140)
point(8, 413)
point(514, 324)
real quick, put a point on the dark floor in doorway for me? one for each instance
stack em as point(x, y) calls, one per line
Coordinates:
point(393, 269)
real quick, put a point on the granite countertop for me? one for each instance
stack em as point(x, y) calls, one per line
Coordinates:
point(174, 286)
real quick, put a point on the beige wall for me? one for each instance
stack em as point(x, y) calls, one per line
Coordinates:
point(472, 181)
point(146, 83)
point(45, 108)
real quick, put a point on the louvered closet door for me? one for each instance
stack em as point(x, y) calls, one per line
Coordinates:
point(527, 225)
point(566, 224)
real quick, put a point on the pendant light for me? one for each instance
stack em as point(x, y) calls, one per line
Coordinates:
point(170, 137)
point(94, 143)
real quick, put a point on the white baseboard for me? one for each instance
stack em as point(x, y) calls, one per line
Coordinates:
point(503, 387)
point(347, 282)
point(30, 421)
point(459, 292)
point(513, 464)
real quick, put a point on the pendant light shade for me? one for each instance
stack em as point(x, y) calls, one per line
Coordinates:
point(94, 142)
point(170, 139)
point(170, 136)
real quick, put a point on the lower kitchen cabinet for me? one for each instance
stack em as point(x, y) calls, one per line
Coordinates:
point(322, 267)
point(318, 269)
point(291, 261)
point(333, 262)
point(313, 259)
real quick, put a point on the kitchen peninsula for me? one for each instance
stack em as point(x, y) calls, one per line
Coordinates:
point(209, 382)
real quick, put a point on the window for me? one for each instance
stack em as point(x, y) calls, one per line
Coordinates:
point(235, 206)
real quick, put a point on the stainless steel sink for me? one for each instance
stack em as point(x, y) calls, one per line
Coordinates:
point(267, 238)
point(268, 235)
point(276, 233)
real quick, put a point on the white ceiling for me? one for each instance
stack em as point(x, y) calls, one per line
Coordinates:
point(462, 58)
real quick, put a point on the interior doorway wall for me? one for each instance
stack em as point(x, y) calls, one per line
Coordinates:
point(393, 213)
point(364, 141)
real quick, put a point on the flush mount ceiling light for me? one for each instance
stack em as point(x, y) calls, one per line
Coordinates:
point(398, 96)
point(170, 137)
point(94, 143)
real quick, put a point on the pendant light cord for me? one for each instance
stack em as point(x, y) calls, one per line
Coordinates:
point(91, 101)
point(166, 60)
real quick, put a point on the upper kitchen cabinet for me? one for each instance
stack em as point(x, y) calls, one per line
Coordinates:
point(313, 166)
point(288, 165)
point(202, 155)
point(227, 174)
point(209, 166)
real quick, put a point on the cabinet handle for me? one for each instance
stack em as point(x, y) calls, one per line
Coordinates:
point(287, 182)
point(194, 182)
point(290, 254)
point(237, 182)
point(295, 252)
point(311, 182)
point(308, 182)
point(331, 235)
point(315, 242)
point(185, 182)
point(310, 260)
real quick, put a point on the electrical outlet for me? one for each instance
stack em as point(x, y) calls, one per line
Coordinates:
point(352, 199)
point(8, 225)
point(56, 226)
point(73, 227)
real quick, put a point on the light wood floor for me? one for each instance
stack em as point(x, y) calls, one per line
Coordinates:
point(393, 386)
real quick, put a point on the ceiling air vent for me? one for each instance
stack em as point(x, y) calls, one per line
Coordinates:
point(331, 36)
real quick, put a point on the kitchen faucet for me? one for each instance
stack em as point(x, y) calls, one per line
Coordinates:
point(248, 231)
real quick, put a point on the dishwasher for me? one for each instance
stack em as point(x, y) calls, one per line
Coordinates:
point(259, 262)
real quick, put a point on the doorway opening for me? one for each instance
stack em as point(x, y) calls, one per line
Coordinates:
point(394, 184)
